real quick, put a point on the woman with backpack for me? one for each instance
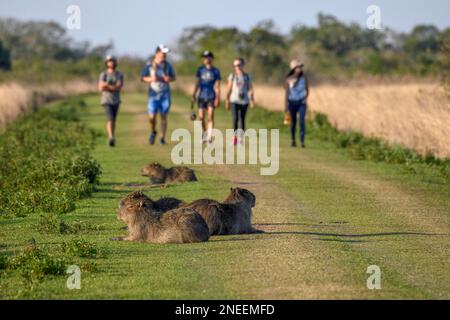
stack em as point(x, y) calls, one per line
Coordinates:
point(240, 95)
point(296, 94)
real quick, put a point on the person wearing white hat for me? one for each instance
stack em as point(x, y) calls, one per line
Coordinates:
point(159, 73)
point(109, 84)
point(296, 95)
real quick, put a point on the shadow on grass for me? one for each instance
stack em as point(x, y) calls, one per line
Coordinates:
point(382, 234)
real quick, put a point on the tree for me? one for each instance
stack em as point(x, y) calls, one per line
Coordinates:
point(5, 59)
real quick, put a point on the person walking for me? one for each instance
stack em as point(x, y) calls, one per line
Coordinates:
point(296, 95)
point(240, 95)
point(159, 73)
point(208, 89)
point(109, 84)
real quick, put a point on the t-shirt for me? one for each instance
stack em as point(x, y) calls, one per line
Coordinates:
point(241, 86)
point(297, 89)
point(207, 78)
point(111, 78)
point(158, 89)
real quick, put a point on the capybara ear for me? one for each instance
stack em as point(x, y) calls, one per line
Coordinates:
point(231, 189)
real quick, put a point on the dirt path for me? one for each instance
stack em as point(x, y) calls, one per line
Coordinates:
point(357, 208)
point(326, 221)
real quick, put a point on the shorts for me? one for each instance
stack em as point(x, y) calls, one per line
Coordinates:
point(205, 103)
point(161, 105)
point(111, 111)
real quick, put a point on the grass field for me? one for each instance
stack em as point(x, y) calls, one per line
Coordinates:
point(327, 218)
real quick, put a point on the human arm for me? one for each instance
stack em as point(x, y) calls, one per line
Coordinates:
point(217, 93)
point(251, 94)
point(229, 89)
point(196, 87)
point(286, 96)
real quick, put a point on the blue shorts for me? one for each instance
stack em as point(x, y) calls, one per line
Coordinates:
point(161, 105)
point(205, 103)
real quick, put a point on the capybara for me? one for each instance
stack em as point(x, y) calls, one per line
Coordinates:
point(232, 216)
point(160, 175)
point(148, 223)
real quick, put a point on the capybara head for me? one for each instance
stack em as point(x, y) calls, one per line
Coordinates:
point(132, 204)
point(240, 194)
point(151, 169)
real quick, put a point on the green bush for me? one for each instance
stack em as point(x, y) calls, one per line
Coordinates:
point(51, 223)
point(46, 162)
point(35, 263)
point(80, 248)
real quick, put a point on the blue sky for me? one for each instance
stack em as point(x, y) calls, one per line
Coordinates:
point(137, 26)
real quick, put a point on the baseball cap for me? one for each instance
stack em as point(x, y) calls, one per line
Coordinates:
point(207, 54)
point(162, 48)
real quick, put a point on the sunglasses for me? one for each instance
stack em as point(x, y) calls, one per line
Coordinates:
point(238, 65)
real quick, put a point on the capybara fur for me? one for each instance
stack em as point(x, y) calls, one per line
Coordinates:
point(147, 223)
point(233, 216)
point(160, 175)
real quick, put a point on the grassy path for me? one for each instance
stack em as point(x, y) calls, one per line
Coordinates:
point(326, 220)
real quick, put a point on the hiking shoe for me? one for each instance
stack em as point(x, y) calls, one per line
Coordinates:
point(152, 138)
point(303, 145)
point(162, 141)
point(111, 142)
point(293, 144)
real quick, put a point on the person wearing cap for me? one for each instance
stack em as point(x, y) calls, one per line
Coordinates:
point(159, 73)
point(208, 89)
point(239, 95)
point(109, 84)
point(296, 94)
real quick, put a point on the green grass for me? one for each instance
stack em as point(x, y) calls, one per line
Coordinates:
point(327, 218)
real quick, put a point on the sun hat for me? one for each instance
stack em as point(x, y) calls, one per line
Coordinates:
point(162, 48)
point(295, 63)
point(207, 54)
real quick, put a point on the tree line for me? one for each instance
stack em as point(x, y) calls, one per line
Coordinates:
point(332, 48)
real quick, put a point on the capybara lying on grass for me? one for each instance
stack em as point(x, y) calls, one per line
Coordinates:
point(147, 222)
point(233, 216)
point(160, 175)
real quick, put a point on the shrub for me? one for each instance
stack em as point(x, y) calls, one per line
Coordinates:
point(46, 162)
point(80, 248)
point(35, 263)
point(51, 224)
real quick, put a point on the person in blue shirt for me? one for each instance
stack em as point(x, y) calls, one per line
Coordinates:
point(296, 94)
point(208, 89)
point(159, 73)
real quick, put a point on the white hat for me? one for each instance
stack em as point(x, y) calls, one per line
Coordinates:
point(295, 63)
point(162, 48)
point(110, 57)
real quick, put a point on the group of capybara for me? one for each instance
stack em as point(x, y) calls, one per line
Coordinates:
point(170, 220)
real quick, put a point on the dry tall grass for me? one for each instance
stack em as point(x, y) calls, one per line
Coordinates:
point(16, 99)
point(416, 115)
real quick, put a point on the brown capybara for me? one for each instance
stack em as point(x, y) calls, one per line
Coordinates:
point(160, 175)
point(233, 216)
point(147, 223)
